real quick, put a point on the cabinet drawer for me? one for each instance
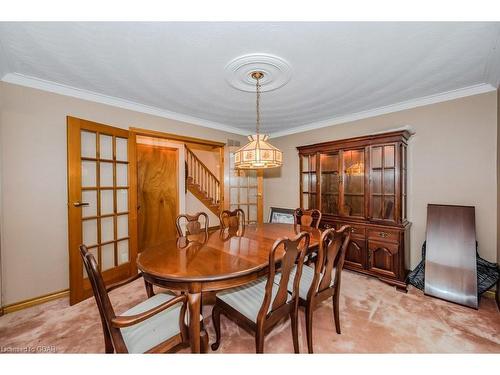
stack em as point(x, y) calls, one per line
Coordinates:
point(383, 235)
point(356, 230)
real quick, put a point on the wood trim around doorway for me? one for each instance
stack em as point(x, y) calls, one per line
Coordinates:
point(175, 137)
point(134, 132)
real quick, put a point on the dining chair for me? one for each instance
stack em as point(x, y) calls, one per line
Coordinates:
point(156, 325)
point(193, 225)
point(308, 218)
point(321, 280)
point(261, 304)
point(232, 220)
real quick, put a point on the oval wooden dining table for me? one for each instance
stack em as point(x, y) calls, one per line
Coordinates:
point(214, 262)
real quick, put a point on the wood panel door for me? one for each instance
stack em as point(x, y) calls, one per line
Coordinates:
point(383, 258)
point(102, 206)
point(356, 253)
point(158, 194)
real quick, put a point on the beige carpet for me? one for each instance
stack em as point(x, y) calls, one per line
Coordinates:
point(375, 318)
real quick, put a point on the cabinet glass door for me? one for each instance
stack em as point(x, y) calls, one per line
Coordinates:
point(308, 181)
point(353, 177)
point(383, 182)
point(330, 183)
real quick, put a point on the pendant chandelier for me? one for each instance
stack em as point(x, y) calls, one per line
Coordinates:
point(258, 153)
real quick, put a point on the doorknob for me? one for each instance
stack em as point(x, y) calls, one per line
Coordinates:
point(80, 204)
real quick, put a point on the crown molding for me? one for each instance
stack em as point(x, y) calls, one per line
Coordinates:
point(40, 84)
point(57, 88)
point(414, 103)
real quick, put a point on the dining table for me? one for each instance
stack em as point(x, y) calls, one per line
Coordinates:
point(214, 261)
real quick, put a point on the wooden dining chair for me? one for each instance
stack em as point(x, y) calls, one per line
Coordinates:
point(309, 218)
point(232, 220)
point(193, 225)
point(157, 325)
point(321, 280)
point(259, 305)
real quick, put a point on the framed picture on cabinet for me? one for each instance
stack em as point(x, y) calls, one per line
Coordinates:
point(281, 215)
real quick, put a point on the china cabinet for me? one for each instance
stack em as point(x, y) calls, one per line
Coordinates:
point(362, 182)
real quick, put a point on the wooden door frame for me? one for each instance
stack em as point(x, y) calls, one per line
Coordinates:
point(181, 138)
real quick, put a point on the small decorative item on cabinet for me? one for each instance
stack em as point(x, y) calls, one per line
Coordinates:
point(361, 182)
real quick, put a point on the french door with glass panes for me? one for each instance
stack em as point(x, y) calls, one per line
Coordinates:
point(245, 191)
point(102, 208)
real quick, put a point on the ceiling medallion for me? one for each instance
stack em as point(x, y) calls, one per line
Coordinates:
point(277, 72)
point(258, 153)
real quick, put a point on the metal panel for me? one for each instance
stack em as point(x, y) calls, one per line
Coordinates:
point(450, 265)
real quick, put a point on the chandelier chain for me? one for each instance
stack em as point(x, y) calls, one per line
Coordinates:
point(258, 104)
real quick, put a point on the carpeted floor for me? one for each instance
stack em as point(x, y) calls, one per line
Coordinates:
point(375, 318)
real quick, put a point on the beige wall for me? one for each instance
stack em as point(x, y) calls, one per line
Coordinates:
point(33, 182)
point(452, 160)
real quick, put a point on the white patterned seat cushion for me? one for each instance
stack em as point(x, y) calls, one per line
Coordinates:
point(306, 279)
point(143, 336)
point(248, 298)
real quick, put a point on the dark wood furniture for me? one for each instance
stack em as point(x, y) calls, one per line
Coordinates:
point(167, 331)
point(322, 280)
point(450, 257)
point(361, 182)
point(216, 264)
point(232, 220)
point(309, 218)
point(193, 225)
point(260, 305)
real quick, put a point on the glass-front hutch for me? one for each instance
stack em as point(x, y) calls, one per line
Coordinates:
point(362, 182)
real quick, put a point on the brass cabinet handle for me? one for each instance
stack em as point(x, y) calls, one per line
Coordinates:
point(383, 234)
point(353, 230)
point(80, 204)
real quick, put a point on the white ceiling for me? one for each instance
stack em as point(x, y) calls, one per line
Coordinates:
point(338, 70)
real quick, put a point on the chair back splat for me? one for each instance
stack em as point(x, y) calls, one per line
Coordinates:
point(192, 225)
point(331, 254)
point(232, 220)
point(294, 252)
point(307, 218)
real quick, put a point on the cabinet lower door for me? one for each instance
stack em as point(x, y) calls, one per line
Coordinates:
point(355, 256)
point(383, 258)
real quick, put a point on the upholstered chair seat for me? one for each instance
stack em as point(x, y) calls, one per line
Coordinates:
point(306, 279)
point(143, 336)
point(248, 298)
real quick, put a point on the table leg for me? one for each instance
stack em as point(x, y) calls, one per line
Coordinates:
point(194, 306)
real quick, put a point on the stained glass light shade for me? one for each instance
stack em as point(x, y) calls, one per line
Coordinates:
point(258, 154)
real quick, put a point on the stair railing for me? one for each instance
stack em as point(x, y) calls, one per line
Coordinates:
point(200, 175)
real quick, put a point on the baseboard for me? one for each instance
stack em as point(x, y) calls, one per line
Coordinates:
point(33, 301)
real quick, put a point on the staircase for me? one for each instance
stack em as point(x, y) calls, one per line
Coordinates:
point(202, 183)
